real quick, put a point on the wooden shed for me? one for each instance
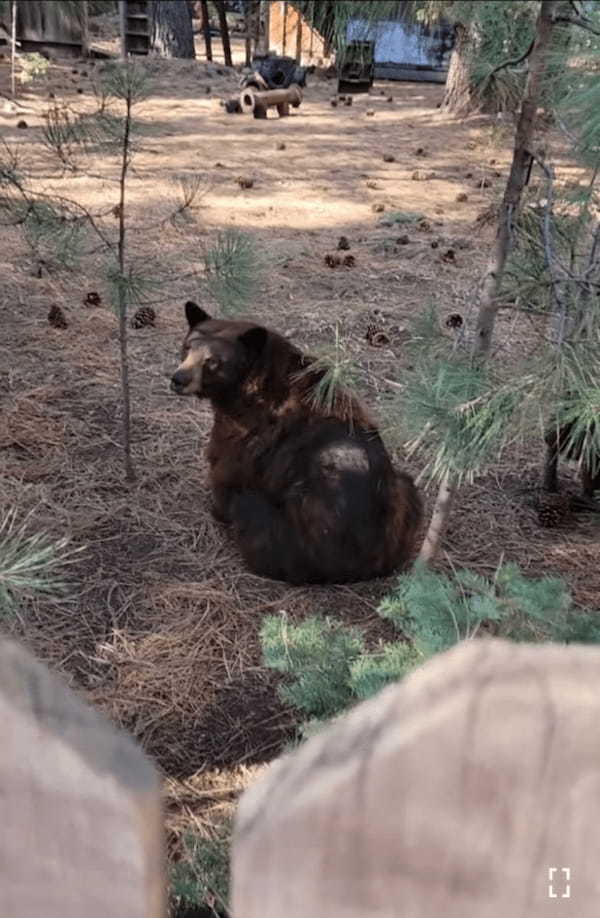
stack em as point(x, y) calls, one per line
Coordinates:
point(50, 25)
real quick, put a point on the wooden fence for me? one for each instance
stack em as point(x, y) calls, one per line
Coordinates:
point(80, 814)
point(469, 790)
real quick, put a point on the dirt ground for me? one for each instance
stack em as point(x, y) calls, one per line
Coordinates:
point(159, 625)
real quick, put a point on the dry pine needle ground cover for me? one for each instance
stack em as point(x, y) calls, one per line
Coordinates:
point(159, 627)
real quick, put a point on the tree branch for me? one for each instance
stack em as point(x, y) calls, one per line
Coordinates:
point(513, 62)
point(577, 21)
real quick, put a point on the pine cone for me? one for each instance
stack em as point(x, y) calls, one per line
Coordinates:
point(376, 336)
point(56, 317)
point(144, 318)
point(92, 299)
point(553, 509)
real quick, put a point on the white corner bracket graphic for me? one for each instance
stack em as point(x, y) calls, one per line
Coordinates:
point(566, 881)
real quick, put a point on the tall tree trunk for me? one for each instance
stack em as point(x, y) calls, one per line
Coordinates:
point(298, 38)
point(224, 30)
point(265, 42)
point(85, 28)
point(123, 30)
point(458, 94)
point(538, 61)
point(206, 29)
point(284, 20)
point(13, 48)
point(248, 19)
point(517, 179)
point(172, 33)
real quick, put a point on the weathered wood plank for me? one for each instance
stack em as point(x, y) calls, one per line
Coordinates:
point(453, 793)
point(79, 805)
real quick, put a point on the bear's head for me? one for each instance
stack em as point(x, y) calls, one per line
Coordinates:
point(217, 355)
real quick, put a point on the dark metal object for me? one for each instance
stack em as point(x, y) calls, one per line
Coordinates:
point(357, 69)
point(275, 72)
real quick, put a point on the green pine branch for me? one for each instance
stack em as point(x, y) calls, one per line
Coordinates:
point(29, 563)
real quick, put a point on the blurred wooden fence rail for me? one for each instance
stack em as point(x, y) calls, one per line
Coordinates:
point(469, 790)
point(80, 814)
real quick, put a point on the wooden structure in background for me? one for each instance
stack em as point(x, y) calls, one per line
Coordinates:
point(290, 33)
point(79, 809)
point(49, 25)
point(469, 790)
point(135, 26)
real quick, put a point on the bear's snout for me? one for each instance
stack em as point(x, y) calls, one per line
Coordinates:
point(180, 380)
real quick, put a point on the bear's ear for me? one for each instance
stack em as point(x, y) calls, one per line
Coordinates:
point(194, 314)
point(254, 339)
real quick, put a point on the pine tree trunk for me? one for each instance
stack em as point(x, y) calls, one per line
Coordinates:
point(172, 33)
point(538, 61)
point(265, 42)
point(224, 29)
point(206, 29)
point(439, 519)
point(85, 28)
point(517, 179)
point(13, 48)
point(248, 29)
point(298, 38)
point(458, 95)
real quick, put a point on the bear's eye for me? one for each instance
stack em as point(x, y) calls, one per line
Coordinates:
point(213, 363)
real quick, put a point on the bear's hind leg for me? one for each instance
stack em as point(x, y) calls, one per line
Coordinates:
point(268, 541)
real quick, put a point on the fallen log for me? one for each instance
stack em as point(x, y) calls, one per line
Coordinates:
point(259, 102)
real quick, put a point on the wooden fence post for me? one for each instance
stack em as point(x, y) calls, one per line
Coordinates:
point(80, 805)
point(469, 790)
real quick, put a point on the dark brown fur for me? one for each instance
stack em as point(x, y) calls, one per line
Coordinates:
point(310, 491)
point(557, 444)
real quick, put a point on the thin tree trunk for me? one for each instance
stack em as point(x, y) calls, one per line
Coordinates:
point(13, 49)
point(224, 30)
point(439, 519)
point(266, 31)
point(206, 30)
point(172, 31)
point(122, 30)
point(298, 38)
point(509, 210)
point(284, 21)
point(85, 28)
point(516, 180)
point(122, 297)
point(248, 30)
point(257, 20)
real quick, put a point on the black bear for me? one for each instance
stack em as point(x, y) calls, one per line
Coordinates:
point(309, 488)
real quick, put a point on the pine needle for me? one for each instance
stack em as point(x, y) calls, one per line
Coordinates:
point(29, 563)
point(233, 267)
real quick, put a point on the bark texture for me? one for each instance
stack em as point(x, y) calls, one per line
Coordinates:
point(517, 179)
point(172, 33)
point(458, 95)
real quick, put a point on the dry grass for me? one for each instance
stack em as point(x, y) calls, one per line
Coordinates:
point(159, 627)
